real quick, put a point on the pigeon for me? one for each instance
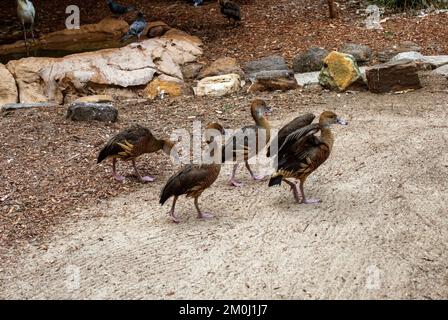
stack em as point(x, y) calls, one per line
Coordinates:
point(118, 9)
point(136, 28)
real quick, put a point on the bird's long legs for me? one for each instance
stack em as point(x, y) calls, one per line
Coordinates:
point(304, 199)
point(171, 213)
point(233, 181)
point(114, 171)
point(201, 215)
point(255, 177)
point(295, 192)
point(137, 173)
point(26, 41)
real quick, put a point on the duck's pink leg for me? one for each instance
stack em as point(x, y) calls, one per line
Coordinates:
point(304, 199)
point(255, 177)
point(171, 213)
point(233, 181)
point(295, 192)
point(202, 215)
point(142, 179)
point(114, 171)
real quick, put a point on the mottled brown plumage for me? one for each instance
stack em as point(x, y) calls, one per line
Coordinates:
point(248, 141)
point(131, 143)
point(193, 179)
point(303, 152)
point(297, 123)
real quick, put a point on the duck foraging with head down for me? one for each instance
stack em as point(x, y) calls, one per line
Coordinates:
point(193, 179)
point(303, 152)
point(132, 143)
point(248, 141)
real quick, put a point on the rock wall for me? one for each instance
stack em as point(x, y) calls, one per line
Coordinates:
point(50, 79)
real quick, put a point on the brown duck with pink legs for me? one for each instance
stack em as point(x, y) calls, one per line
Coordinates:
point(302, 152)
point(131, 143)
point(248, 141)
point(193, 179)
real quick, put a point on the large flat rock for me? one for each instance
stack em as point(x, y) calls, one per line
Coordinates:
point(48, 79)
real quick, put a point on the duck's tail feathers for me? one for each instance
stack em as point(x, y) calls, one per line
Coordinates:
point(275, 180)
point(167, 192)
point(104, 153)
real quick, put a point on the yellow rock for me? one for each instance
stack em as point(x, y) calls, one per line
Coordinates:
point(159, 87)
point(339, 72)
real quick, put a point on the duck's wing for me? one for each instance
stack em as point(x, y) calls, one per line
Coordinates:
point(128, 143)
point(186, 180)
point(302, 152)
point(297, 123)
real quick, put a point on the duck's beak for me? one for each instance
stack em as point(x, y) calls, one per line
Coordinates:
point(341, 121)
point(268, 111)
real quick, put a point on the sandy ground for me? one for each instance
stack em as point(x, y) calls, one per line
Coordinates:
point(381, 231)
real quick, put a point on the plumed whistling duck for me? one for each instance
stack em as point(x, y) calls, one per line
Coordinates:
point(303, 152)
point(130, 144)
point(193, 179)
point(295, 124)
point(248, 141)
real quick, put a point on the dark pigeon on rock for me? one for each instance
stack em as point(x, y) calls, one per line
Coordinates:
point(118, 9)
point(136, 28)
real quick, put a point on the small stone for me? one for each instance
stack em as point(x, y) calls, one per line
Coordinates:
point(307, 78)
point(273, 84)
point(362, 53)
point(161, 87)
point(220, 67)
point(191, 70)
point(104, 112)
point(393, 76)
point(311, 60)
point(268, 63)
point(443, 71)
point(219, 85)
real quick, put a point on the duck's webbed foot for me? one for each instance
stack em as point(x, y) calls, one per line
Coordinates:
point(254, 176)
point(202, 215)
point(235, 183)
point(146, 179)
point(205, 216)
point(173, 217)
point(306, 200)
point(118, 177)
point(139, 176)
point(311, 201)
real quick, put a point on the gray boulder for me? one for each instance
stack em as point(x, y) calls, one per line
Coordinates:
point(81, 111)
point(311, 60)
point(266, 64)
point(360, 52)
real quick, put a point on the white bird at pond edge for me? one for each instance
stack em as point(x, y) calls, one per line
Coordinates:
point(26, 13)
